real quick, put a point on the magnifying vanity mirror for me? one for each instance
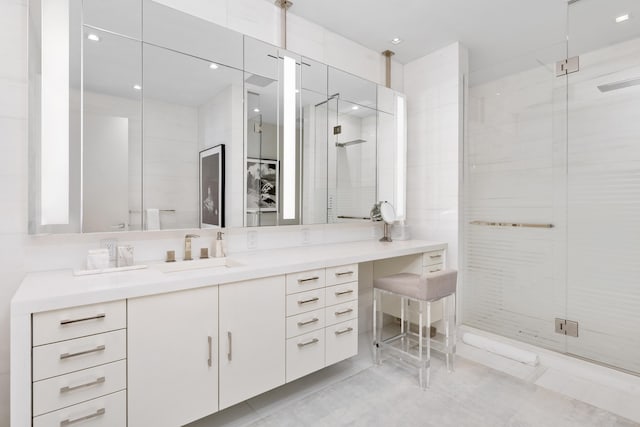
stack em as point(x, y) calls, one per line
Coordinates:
point(384, 211)
point(169, 121)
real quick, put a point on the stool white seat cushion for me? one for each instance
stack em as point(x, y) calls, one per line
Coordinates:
point(419, 287)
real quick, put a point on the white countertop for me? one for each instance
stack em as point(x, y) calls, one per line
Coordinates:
point(51, 290)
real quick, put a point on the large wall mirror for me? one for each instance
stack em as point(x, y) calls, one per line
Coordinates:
point(143, 117)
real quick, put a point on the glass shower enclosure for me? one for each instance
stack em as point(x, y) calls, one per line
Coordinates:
point(551, 219)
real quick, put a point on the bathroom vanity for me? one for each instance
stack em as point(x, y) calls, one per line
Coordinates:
point(148, 347)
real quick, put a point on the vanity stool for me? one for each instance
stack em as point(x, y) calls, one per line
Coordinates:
point(417, 293)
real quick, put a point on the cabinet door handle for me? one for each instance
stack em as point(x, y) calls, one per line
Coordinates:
point(344, 331)
point(343, 273)
point(97, 381)
point(309, 279)
point(210, 359)
point(230, 352)
point(340, 293)
point(340, 313)
point(70, 421)
point(306, 343)
point(83, 319)
point(308, 322)
point(307, 301)
point(433, 271)
point(80, 353)
point(435, 256)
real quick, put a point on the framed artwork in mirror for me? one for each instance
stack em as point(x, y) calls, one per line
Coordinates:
point(262, 185)
point(211, 194)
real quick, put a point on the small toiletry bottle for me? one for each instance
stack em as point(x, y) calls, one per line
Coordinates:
point(221, 247)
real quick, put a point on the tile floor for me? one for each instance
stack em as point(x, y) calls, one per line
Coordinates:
point(355, 392)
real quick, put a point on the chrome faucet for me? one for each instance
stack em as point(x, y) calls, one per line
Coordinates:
point(187, 246)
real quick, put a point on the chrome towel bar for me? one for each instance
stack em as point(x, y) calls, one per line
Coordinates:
point(511, 224)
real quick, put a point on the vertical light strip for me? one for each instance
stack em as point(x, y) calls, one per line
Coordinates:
point(55, 113)
point(289, 135)
point(401, 155)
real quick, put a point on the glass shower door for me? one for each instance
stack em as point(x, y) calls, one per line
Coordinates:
point(514, 242)
point(603, 182)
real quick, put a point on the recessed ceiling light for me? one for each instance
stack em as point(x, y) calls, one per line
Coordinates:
point(355, 107)
point(396, 40)
point(497, 93)
point(256, 110)
point(137, 87)
point(622, 18)
point(93, 37)
point(213, 66)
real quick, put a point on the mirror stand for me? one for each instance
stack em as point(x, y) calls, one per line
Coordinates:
point(387, 233)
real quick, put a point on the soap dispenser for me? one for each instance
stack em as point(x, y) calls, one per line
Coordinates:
point(221, 247)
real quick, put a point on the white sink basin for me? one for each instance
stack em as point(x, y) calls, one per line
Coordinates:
point(174, 267)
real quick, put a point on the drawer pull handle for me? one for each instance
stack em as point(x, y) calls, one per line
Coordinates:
point(338, 294)
point(69, 421)
point(344, 331)
point(310, 279)
point(80, 353)
point(435, 256)
point(210, 359)
point(306, 343)
point(97, 381)
point(84, 319)
point(307, 301)
point(230, 353)
point(433, 271)
point(308, 322)
point(340, 313)
point(344, 273)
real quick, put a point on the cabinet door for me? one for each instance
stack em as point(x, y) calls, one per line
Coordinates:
point(252, 338)
point(172, 356)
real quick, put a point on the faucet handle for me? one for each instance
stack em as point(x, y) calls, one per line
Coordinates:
point(191, 236)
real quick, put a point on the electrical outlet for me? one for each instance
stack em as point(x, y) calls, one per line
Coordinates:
point(110, 244)
point(252, 239)
point(306, 236)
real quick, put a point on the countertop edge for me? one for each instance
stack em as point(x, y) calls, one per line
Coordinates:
point(138, 284)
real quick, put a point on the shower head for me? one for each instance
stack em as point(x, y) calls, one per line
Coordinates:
point(619, 85)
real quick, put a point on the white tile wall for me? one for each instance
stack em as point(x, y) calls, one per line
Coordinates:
point(20, 253)
point(434, 86)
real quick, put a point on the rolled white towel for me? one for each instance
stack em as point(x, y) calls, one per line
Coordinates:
point(505, 350)
point(153, 219)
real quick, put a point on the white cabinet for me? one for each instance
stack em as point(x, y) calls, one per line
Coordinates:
point(79, 355)
point(312, 340)
point(252, 338)
point(173, 365)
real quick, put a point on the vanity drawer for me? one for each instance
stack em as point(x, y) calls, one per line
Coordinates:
point(106, 411)
point(342, 274)
point(305, 354)
point(305, 302)
point(305, 281)
point(341, 312)
point(74, 322)
point(341, 293)
point(73, 355)
point(342, 341)
point(432, 269)
point(433, 257)
point(305, 323)
point(66, 390)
